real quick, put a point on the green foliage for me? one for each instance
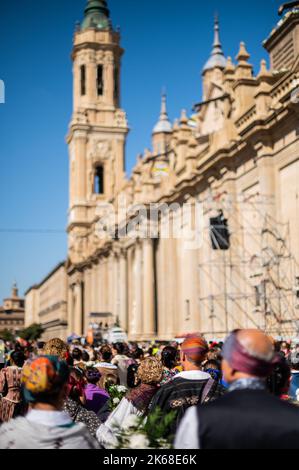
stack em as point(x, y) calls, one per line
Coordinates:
point(158, 427)
point(7, 335)
point(32, 332)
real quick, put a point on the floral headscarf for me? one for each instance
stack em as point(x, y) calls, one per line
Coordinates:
point(43, 377)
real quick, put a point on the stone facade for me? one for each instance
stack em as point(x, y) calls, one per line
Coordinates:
point(46, 304)
point(12, 313)
point(237, 155)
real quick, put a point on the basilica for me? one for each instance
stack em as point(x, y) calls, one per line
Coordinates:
point(235, 161)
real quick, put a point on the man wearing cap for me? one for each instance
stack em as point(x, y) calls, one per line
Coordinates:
point(190, 387)
point(247, 417)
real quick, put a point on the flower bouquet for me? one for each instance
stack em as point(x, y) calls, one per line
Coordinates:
point(154, 432)
point(117, 393)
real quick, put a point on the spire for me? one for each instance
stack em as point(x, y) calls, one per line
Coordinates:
point(230, 68)
point(244, 68)
point(243, 56)
point(217, 43)
point(96, 15)
point(217, 58)
point(14, 290)
point(184, 117)
point(264, 72)
point(163, 125)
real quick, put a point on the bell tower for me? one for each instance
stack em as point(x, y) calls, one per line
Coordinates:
point(98, 129)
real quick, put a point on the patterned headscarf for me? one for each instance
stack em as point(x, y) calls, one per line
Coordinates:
point(43, 377)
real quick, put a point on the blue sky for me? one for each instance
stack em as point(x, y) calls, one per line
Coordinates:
point(167, 43)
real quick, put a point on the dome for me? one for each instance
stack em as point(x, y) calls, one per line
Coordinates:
point(162, 126)
point(217, 58)
point(97, 15)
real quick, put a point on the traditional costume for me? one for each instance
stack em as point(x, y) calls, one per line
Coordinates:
point(42, 380)
point(247, 417)
point(11, 403)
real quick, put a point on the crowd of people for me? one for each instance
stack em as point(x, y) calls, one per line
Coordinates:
point(243, 393)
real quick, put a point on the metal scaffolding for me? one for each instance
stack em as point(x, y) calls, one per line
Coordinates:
point(256, 282)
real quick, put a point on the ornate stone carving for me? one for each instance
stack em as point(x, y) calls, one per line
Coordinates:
point(120, 118)
point(81, 117)
point(100, 56)
point(100, 149)
point(109, 58)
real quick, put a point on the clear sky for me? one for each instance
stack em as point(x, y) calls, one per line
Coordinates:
point(167, 43)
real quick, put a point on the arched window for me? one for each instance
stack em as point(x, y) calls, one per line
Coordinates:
point(100, 80)
point(99, 180)
point(83, 79)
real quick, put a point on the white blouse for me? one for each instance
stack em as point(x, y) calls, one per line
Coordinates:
point(107, 433)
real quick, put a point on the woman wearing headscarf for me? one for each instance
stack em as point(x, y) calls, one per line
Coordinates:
point(11, 403)
point(73, 404)
point(45, 426)
point(96, 397)
point(135, 403)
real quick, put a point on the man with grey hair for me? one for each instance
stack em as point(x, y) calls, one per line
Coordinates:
point(247, 417)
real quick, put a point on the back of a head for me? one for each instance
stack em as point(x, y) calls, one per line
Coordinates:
point(169, 357)
point(119, 348)
point(75, 389)
point(109, 380)
point(195, 350)
point(85, 356)
point(43, 379)
point(92, 375)
point(18, 358)
point(18, 347)
point(106, 353)
point(56, 347)
point(248, 352)
point(77, 354)
point(137, 354)
point(150, 371)
point(212, 364)
point(257, 343)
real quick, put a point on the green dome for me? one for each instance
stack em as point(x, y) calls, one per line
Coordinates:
point(96, 15)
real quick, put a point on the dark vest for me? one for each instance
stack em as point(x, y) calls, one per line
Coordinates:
point(248, 419)
point(180, 394)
